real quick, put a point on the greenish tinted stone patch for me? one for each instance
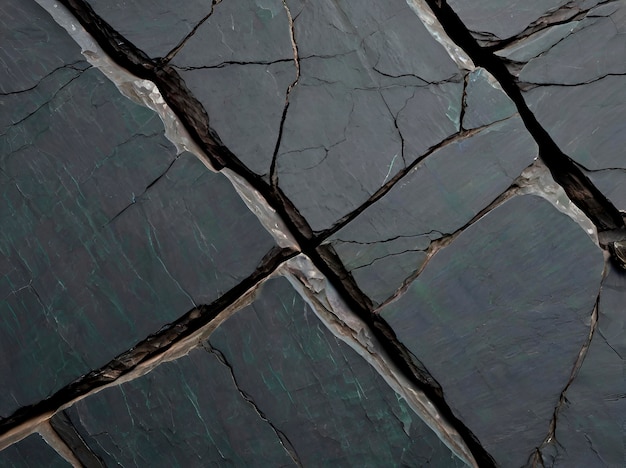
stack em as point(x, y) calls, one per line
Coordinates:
point(90, 254)
point(25, 28)
point(184, 413)
point(330, 404)
point(31, 452)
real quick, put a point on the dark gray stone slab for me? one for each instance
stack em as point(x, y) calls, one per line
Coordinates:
point(366, 105)
point(387, 242)
point(105, 236)
point(593, 49)
point(184, 413)
point(24, 27)
point(239, 31)
point(493, 20)
point(590, 425)
point(484, 102)
point(499, 317)
point(523, 51)
point(584, 120)
point(270, 373)
point(575, 86)
point(245, 106)
point(239, 64)
point(330, 404)
point(155, 26)
point(31, 452)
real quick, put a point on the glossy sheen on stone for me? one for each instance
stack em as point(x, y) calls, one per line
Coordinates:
point(499, 317)
point(97, 257)
point(271, 372)
point(32, 452)
point(386, 243)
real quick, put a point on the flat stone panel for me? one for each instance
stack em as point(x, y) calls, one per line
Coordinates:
point(245, 105)
point(106, 236)
point(435, 199)
point(156, 27)
point(576, 88)
point(365, 106)
point(239, 64)
point(270, 373)
point(484, 102)
point(330, 404)
point(184, 413)
point(590, 426)
point(32, 452)
point(504, 19)
point(499, 317)
point(26, 27)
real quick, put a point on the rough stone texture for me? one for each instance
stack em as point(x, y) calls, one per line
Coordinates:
point(116, 236)
point(505, 19)
point(487, 312)
point(359, 131)
point(574, 76)
point(388, 242)
point(271, 377)
point(31, 452)
point(156, 27)
point(590, 425)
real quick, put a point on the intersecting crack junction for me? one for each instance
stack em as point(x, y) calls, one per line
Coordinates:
point(296, 233)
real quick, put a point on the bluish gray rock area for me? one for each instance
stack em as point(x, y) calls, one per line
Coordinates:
point(286, 232)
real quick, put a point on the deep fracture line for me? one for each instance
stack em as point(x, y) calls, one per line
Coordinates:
point(296, 60)
point(551, 436)
point(193, 117)
point(171, 342)
point(565, 171)
point(283, 439)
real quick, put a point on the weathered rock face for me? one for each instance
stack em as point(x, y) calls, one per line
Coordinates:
point(282, 232)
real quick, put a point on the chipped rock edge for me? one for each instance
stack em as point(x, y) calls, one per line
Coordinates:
point(333, 312)
point(302, 274)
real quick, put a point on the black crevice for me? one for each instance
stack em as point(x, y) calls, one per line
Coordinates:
point(151, 347)
point(329, 264)
point(63, 426)
point(282, 437)
point(564, 170)
point(196, 121)
point(188, 109)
